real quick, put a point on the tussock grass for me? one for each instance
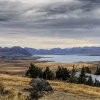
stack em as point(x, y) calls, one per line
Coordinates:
point(18, 67)
point(14, 80)
point(12, 96)
point(77, 89)
point(11, 84)
point(9, 93)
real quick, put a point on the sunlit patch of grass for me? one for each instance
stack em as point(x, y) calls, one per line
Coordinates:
point(14, 80)
point(9, 93)
point(77, 89)
point(10, 84)
point(13, 96)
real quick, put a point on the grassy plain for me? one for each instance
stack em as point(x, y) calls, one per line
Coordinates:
point(67, 91)
point(19, 66)
point(11, 71)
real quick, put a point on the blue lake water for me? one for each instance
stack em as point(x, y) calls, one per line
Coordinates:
point(68, 58)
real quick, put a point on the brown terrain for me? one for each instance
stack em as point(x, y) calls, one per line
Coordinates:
point(62, 90)
point(11, 72)
point(19, 66)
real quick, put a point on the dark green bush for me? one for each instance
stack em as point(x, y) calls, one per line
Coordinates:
point(48, 74)
point(34, 72)
point(62, 73)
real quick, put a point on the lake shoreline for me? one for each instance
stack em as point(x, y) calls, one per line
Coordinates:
point(19, 66)
point(66, 58)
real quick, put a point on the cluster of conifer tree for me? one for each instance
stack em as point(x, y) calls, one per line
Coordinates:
point(64, 74)
point(34, 72)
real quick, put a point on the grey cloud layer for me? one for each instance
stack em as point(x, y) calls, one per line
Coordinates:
point(69, 14)
point(65, 19)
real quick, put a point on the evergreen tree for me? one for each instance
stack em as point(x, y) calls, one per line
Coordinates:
point(65, 73)
point(97, 71)
point(90, 81)
point(82, 77)
point(88, 70)
point(59, 73)
point(97, 83)
point(73, 71)
point(73, 78)
point(48, 74)
point(62, 73)
point(34, 71)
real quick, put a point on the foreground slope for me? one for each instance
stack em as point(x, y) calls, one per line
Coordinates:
point(62, 90)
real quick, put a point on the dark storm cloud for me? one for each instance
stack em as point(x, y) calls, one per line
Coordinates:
point(9, 10)
point(59, 14)
point(72, 19)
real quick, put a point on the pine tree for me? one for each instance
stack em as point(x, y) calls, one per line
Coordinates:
point(48, 74)
point(34, 71)
point(62, 73)
point(82, 77)
point(90, 81)
point(97, 71)
point(73, 78)
point(59, 73)
point(88, 70)
point(65, 73)
point(97, 83)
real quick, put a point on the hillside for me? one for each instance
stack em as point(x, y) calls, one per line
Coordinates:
point(13, 52)
point(62, 90)
point(91, 51)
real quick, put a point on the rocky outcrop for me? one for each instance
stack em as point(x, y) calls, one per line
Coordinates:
point(40, 87)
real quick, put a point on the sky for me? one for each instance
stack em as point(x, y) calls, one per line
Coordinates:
point(49, 23)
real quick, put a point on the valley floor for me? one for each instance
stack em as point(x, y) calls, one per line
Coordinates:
point(19, 66)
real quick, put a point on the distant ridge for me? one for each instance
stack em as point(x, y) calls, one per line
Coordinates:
point(18, 51)
point(88, 51)
point(15, 51)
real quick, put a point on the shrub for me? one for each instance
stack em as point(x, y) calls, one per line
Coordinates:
point(97, 71)
point(82, 77)
point(88, 70)
point(73, 78)
point(90, 81)
point(34, 72)
point(48, 74)
point(97, 83)
point(62, 73)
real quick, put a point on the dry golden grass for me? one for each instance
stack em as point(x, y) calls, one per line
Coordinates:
point(9, 93)
point(15, 67)
point(77, 89)
point(11, 86)
point(53, 65)
point(14, 80)
point(18, 67)
point(17, 82)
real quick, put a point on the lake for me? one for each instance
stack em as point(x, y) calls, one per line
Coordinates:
point(68, 58)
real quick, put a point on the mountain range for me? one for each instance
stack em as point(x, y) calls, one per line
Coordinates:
point(17, 51)
point(88, 51)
